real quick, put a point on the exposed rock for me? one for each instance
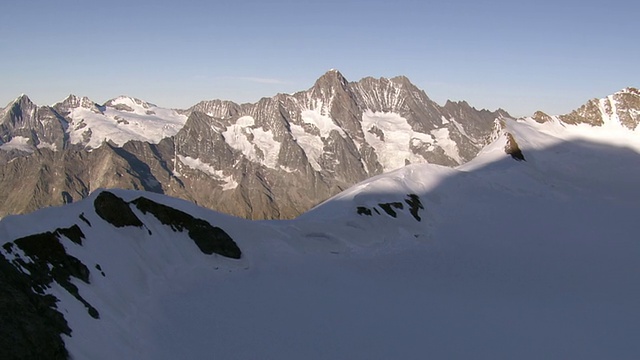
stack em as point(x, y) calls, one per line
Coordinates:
point(210, 239)
point(49, 261)
point(115, 211)
point(31, 327)
point(272, 159)
point(512, 148)
point(393, 208)
point(541, 117)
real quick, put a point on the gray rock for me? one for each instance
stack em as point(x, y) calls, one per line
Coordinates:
point(295, 151)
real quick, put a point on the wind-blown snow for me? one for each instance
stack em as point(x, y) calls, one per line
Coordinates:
point(145, 123)
point(394, 147)
point(264, 148)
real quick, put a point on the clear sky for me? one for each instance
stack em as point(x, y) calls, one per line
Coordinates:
point(519, 55)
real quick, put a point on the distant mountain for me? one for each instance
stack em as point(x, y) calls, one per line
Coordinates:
point(528, 251)
point(621, 108)
point(272, 159)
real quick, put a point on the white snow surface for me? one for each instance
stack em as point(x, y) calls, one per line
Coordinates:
point(145, 123)
point(312, 145)
point(394, 148)
point(229, 182)
point(45, 145)
point(512, 260)
point(264, 148)
point(17, 143)
point(324, 123)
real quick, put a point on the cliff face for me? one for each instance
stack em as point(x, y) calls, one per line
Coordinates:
point(272, 159)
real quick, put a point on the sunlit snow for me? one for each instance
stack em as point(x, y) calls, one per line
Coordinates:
point(237, 136)
point(534, 259)
point(394, 147)
point(311, 144)
point(228, 181)
point(151, 124)
point(449, 146)
point(324, 123)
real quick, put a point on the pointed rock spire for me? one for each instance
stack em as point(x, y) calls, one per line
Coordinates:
point(331, 79)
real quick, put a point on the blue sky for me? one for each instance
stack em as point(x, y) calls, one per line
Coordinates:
point(521, 56)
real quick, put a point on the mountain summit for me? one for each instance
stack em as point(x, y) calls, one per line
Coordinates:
point(275, 158)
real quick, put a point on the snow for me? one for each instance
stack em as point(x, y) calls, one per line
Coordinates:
point(229, 182)
point(311, 144)
point(236, 135)
point(521, 260)
point(449, 146)
point(610, 118)
point(322, 122)
point(17, 143)
point(45, 145)
point(395, 150)
point(152, 124)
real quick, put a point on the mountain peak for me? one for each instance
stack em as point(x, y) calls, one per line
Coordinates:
point(331, 77)
point(629, 90)
point(127, 102)
point(23, 99)
point(74, 101)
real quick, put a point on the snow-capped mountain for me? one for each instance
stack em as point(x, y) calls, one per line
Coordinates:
point(619, 109)
point(80, 121)
point(272, 159)
point(528, 251)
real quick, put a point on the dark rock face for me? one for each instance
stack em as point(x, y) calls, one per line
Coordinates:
point(31, 327)
point(272, 159)
point(395, 208)
point(115, 211)
point(40, 125)
point(209, 239)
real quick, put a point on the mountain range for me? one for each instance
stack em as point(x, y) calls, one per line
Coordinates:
point(528, 251)
point(273, 159)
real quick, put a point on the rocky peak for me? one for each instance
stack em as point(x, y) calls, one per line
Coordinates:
point(18, 111)
point(626, 104)
point(332, 78)
point(23, 100)
point(622, 107)
point(221, 109)
point(629, 90)
point(21, 104)
point(326, 88)
point(541, 117)
point(73, 101)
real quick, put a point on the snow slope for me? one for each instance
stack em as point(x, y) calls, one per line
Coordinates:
point(122, 119)
point(510, 259)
